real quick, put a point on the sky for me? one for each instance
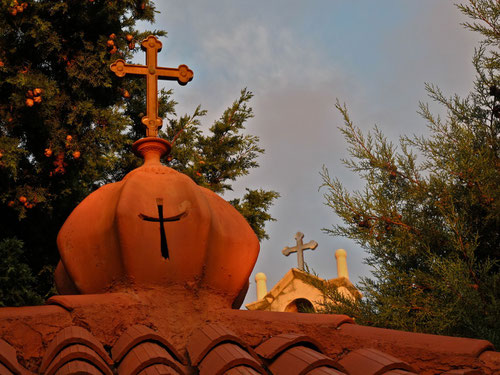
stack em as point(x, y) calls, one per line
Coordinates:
point(298, 58)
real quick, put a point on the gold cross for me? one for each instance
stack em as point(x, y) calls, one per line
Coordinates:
point(152, 72)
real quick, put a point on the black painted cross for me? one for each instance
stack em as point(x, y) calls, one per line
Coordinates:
point(160, 219)
point(299, 249)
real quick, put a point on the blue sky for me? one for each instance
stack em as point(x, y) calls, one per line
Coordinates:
point(298, 57)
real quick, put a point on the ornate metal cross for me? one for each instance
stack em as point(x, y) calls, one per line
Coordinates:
point(182, 74)
point(299, 249)
point(160, 219)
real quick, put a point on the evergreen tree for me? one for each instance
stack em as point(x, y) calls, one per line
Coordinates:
point(431, 228)
point(67, 124)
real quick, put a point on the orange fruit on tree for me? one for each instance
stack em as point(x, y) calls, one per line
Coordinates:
point(113, 50)
point(23, 199)
point(110, 43)
point(13, 11)
point(112, 36)
point(37, 91)
point(69, 138)
point(10, 204)
point(48, 152)
point(126, 94)
point(37, 99)
point(131, 46)
point(129, 37)
point(1, 64)
point(76, 154)
point(29, 102)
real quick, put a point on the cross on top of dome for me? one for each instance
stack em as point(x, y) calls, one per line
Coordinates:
point(153, 73)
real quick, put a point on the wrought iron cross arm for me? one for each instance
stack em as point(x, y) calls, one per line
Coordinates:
point(121, 68)
point(182, 74)
point(288, 250)
point(311, 245)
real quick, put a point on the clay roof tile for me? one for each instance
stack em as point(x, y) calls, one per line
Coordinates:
point(301, 360)
point(147, 354)
point(399, 372)
point(78, 368)
point(323, 370)
point(372, 362)
point(464, 371)
point(8, 359)
point(137, 334)
point(73, 335)
point(207, 337)
point(241, 370)
point(226, 356)
point(77, 352)
point(279, 343)
point(158, 369)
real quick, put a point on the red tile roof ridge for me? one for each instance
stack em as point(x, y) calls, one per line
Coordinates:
point(8, 358)
point(373, 362)
point(30, 312)
point(77, 352)
point(335, 320)
point(203, 339)
point(145, 355)
point(279, 343)
point(491, 359)
point(300, 360)
point(464, 371)
point(429, 342)
point(225, 356)
point(71, 302)
point(138, 333)
point(72, 335)
point(78, 367)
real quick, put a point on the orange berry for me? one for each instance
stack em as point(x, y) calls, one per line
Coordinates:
point(1, 155)
point(76, 154)
point(126, 94)
point(13, 11)
point(110, 43)
point(129, 37)
point(29, 102)
point(37, 99)
point(112, 36)
point(23, 199)
point(24, 5)
point(131, 46)
point(113, 50)
point(29, 94)
point(26, 204)
point(10, 204)
point(69, 138)
point(37, 91)
point(19, 8)
point(48, 152)
point(1, 64)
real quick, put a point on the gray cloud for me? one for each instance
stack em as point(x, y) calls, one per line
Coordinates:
point(298, 57)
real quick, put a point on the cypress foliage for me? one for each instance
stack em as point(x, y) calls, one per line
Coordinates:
point(431, 227)
point(67, 124)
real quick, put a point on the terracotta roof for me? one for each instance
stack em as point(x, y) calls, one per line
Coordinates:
point(124, 333)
